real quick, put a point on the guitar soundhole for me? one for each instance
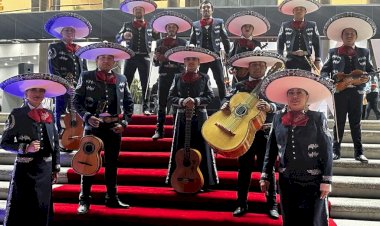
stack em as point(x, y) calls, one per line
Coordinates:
point(89, 148)
point(186, 163)
point(241, 110)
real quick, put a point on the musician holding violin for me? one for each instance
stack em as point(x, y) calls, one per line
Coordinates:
point(247, 25)
point(191, 91)
point(349, 67)
point(171, 23)
point(257, 63)
point(103, 100)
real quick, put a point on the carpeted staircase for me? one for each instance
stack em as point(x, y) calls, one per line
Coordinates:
point(141, 176)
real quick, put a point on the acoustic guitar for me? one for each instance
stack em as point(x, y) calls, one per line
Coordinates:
point(352, 79)
point(73, 130)
point(187, 177)
point(87, 161)
point(232, 133)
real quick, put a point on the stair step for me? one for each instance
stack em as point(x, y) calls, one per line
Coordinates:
point(351, 167)
point(356, 187)
point(366, 124)
point(371, 151)
point(355, 208)
point(342, 222)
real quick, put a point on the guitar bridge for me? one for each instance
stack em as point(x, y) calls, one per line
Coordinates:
point(84, 163)
point(224, 129)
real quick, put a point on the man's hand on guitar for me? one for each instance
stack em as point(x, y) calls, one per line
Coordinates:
point(264, 185)
point(364, 78)
point(226, 107)
point(94, 121)
point(33, 147)
point(189, 102)
point(118, 128)
point(127, 36)
point(54, 177)
point(263, 106)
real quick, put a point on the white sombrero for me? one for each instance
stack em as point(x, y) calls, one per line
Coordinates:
point(364, 26)
point(287, 6)
point(235, 22)
point(245, 58)
point(275, 86)
point(179, 53)
point(52, 84)
point(92, 51)
point(160, 20)
point(128, 5)
point(55, 25)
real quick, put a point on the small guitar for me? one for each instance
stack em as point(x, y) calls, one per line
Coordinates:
point(355, 78)
point(87, 161)
point(73, 122)
point(187, 177)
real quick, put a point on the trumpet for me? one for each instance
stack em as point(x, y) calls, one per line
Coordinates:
point(313, 66)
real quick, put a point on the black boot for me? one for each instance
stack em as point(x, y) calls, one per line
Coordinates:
point(240, 210)
point(159, 133)
point(114, 202)
point(84, 205)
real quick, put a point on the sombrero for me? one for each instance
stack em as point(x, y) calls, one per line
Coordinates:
point(235, 22)
point(59, 21)
point(245, 58)
point(128, 5)
point(160, 20)
point(287, 6)
point(18, 84)
point(365, 26)
point(179, 53)
point(275, 86)
point(92, 51)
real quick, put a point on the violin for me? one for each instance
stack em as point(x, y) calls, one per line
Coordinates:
point(355, 78)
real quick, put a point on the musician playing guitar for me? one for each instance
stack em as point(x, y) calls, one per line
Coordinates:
point(98, 87)
point(346, 60)
point(192, 89)
point(256, 70)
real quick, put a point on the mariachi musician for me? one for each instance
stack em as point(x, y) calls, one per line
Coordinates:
point(103, 100)
point(171, 23)
point(192, 89)
point(349, 27)
point(299, 37)
point(209, 33)
point(247, 25)
point(137, 35)
point(62, 59)
point(257, 63)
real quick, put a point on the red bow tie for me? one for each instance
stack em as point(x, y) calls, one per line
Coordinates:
point(243, 42)
point(206, 21)
point(190, 77)
point(252, 84)
point(139, 24)
point(40, 115)
point(299, 25)
point(72, 48)
point(346, 50)
point(108, 78)
point(294, 118)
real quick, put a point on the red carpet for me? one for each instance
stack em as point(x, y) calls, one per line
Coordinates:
point(141, 176)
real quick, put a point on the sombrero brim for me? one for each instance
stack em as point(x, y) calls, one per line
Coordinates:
point(55, 25)
point(159, 23)
point(178, 54)
point(128, 6)
point(364, 26)
point(287, 6)
point(235, 22)
point(92, 51)
point(245, 58)
point(276, 85)
point(53, 85)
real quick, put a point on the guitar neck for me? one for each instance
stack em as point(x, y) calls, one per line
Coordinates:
point(188, 115)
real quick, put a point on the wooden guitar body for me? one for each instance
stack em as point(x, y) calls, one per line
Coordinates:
point(187, 177)
point(87, 161)
point(73, 132)
point(232, 134)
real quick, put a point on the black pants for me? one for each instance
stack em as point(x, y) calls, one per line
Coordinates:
point(61, 103)
point(297, 62)
point(111, 143)
point(217, 72)
point(246, 166)
point(348, 101)
point(301, 203)
point(373, 99)
point(141, 63)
